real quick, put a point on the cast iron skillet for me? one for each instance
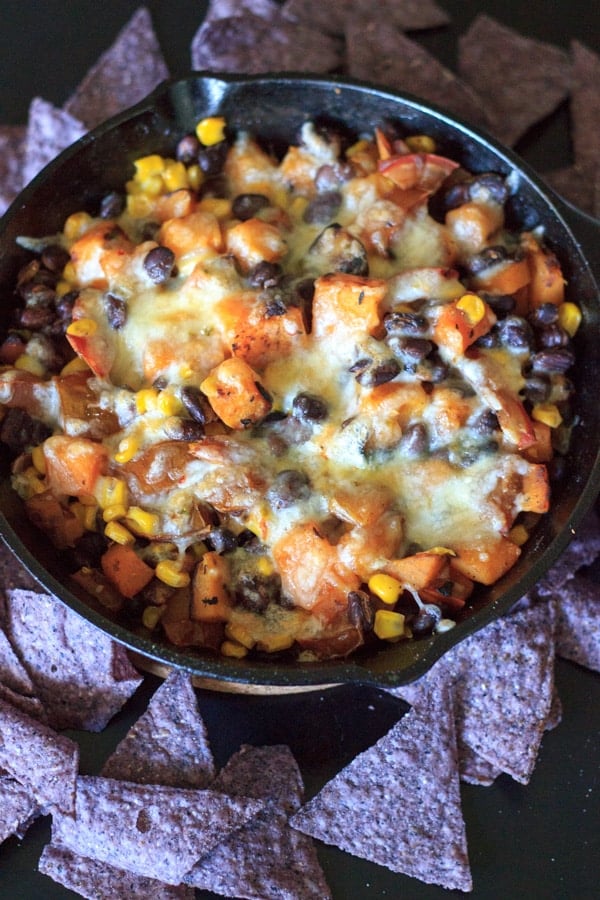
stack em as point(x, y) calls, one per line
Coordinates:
point(274, 107)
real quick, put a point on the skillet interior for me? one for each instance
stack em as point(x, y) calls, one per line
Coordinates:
point(274, 108)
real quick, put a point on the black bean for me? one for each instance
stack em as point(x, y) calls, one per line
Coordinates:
point(256, 592)
point(426, 619)
point(211, 159)
point(289, 487)
point(247, 206)
point(414, 441)
point(501, 304)
point(371, 373)
point(336, 250)
point(486, 422)
point(275, 306)
point(556, 361)
point(329, 176)
point(221, 540)
point(46, 350)
point(36, 294)
point(55, 257)
point(89, 549)
point(116, 310)
point(265, 275)
point(322, 208)
point(515, 332)
point(489, 340)
point(64, 306)
point(405, 323)
point(34, 318)
point(159, 264)
point(361, 613)
point(551, 336)
point(179, 429)
point(19, 430)
point(112, 205)
point(487, 257)
point(187, 149)
point(194, 401)
point(309, 407)
point(537, 389)
point(409, 350)
point(488, 186)
point(545, 314)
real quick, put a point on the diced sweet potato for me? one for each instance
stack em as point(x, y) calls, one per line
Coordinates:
point(488, 561)
point(73, 464)
point(547, 284)
point(473, 224)
point(347, 304)
point(262, 338)
point(507, 277)
point(61, 525)
point(456, 329)
point(419, 570)
point(124, 568)
point(535, 491)
point(236, 394)
point(254, 241)
point(211, 601)
point(199, 230)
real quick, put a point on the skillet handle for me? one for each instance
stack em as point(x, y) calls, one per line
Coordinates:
point(587, 232)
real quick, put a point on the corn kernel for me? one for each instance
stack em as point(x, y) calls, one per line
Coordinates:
point(170, 573)
point(69, 273)
point(151, 617)
point(116, 532)
point(153, 186)
point(298, 206)
point(77, 364)
point(240, 634)
point(128, 448)
point(264, 566)
point(85, 514)
point(141, 521)
point(548, 413)
point(569, 317)
point(218, 206)
point(116, 511)
point(233, 649)
point(473, 307)
point(168, 403)
point(211, 130)
point(388, 625)
point(76, 225)
point(385, 587)
point(63, 287)
point(441, 551)
point(145, 400)
point(139, 206)
point(420, 143)
point(518, 535)
point(274, 643)
point(82, 327)
point(110, 491)
point(38, 459)
point(175, 175)
point(33, 482)
point(27, 363)
point(148, 166)
point(195, 177)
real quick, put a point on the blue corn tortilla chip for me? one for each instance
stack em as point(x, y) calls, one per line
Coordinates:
point(125, 73)
point(377, 52)
point(583, 550)
point(150, 830)
point(520, 80)
point(12, 673)
point(18, 808)
point(224, 9)
point(333, 16)
point(168, 744)
point(100, 881)
point(12, 154)
point(49, 131)
point(250, 44)
point(81, 676)
point(578, 622)
point(44, 762)
point(398, 803)
point(266, 859)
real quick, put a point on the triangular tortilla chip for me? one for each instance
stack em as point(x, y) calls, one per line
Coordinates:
point(12, 154)
point(265, 860)
point(150, 830)
point(82, 677)
point(49, 131)
point(168, 744)
point(520, 80)
point(578, 622)
point(125, 73)
point(377, 52)
point(398, 803)
point(100, 881)
point(251, 44)
point(44, 762)
point(583, 550)
point(18, 807)
point(333, 16)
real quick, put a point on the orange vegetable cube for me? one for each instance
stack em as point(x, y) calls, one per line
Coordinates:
point(456, 329)
point(347, 303)
point(254, 241)
point(236, 394)
point(73, 464)
point(488, 561)
point(199, 230)
point(124, 568)
point(210, 598)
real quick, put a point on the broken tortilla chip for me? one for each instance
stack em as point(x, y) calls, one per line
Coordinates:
point(49, 131)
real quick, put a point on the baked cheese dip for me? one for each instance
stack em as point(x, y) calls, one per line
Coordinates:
point(294, 404)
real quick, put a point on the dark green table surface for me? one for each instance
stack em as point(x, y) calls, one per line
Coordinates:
point(541, 841)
